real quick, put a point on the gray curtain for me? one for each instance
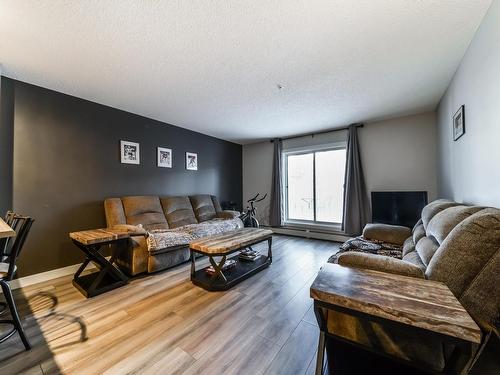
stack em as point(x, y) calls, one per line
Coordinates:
point(356, 207)
point(275, 209)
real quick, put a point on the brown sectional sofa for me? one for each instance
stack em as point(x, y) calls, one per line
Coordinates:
point(153, 212)
point(453, 243)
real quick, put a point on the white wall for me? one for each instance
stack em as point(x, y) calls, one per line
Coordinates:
point(257, 176)
point(400, 154)
point(469, 168)
point(397, 154)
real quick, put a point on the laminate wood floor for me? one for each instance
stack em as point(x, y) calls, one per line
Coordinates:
point(162, 324)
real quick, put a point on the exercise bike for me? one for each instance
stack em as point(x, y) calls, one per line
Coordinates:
point(248, 217)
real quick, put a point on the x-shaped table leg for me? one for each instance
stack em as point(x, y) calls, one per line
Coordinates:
point(106, 270)
point(218, 267)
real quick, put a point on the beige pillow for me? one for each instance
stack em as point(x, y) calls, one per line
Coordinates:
point(394, 234)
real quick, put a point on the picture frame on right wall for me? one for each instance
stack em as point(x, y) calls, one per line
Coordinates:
point(459, 123)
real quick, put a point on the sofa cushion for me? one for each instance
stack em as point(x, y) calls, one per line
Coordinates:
point(145, 210)
point(414, 258)
point(216, 203)
point(178, 211)
point(394, 234)
point(203, 207)
point(467, 262)
point(157, 226)
point(443, 222)
point(408, 246)
point(418, 233)
point(433, 208)
point(426, 248)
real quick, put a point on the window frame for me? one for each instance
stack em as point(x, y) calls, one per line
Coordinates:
point(313, 224)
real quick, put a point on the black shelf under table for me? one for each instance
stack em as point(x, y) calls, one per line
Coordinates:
point(241, 271)
point(107, 278)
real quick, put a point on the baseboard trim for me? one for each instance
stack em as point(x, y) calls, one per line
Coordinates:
point(45, 276)
point(308, 233)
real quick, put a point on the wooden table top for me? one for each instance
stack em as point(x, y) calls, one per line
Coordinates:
point(95, 236)
point(230, 241)
point(415, 302)
point(6, 230)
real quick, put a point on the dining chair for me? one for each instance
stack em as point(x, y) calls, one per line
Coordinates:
point(3, 244)
point(9, 252)
point(8, 218)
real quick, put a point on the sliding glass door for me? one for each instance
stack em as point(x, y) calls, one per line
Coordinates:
point(300, 187)
point(314, 186)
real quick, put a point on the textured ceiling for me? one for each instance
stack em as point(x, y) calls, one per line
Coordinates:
point(214, 66)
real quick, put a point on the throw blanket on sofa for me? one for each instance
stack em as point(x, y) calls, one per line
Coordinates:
point(363, 245)
point(163, 238)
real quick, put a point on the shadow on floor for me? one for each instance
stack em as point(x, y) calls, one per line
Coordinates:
point(42, 324)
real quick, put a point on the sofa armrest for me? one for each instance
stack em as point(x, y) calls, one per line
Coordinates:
point(228, 214)
point(380, 263)
point(133, 230)
point(395, 234)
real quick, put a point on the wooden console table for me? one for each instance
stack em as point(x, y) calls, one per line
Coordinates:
point(422, 306)
point(107, 277)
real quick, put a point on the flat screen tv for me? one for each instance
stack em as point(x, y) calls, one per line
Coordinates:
point(398, 207)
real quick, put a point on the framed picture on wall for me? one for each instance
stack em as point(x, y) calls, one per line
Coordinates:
point(459, 123)
point(191, 161)
point(164, 157)
point(129, 152)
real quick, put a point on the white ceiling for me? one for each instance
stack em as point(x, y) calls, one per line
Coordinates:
point(214, 66)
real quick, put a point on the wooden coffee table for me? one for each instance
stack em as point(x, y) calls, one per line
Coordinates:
point(222, 246)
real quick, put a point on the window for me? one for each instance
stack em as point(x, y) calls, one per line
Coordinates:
point(314, 186)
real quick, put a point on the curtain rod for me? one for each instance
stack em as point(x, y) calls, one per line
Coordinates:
point(360, 125)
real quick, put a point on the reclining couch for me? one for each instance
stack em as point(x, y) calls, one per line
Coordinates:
point(452, 243)
point(140, 214)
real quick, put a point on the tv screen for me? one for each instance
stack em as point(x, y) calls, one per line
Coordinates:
point(398, 207)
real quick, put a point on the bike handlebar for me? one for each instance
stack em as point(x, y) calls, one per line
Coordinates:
point(254, 199)
point(261, 199)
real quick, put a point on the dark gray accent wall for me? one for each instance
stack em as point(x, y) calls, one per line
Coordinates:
point(6, 142)
point(66, 162)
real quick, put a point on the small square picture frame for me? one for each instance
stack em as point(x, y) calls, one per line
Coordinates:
point(459, 123)
point(130, 152)
point(164, 157)
point(191, 161)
